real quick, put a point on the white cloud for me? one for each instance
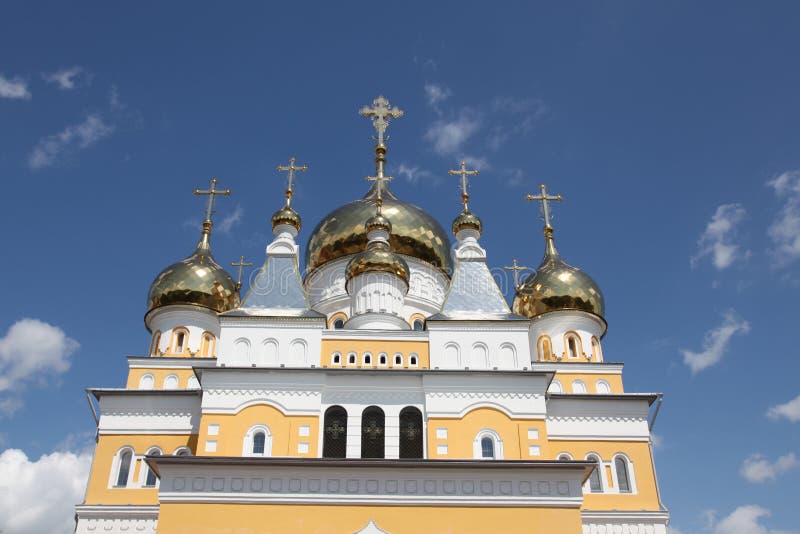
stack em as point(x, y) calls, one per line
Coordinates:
point(449, 135)
point(716, 342)
point(757, 468)
point(788, 410)
point(31, 351)
point(658, 440)
point(415, 174)
point(784, 232)
point(229, 221)
point(745, 520)
point(50, 149)
point(16, 88)
point(718, 239)
point(435, 94)
point(39, 496)
point(68, 78)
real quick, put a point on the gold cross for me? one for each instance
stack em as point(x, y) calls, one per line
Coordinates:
point(463, 172)
point(516, 268)
point(380, 113)
point(380, 180)
point(212, 192)
point(241, 265)
point(290, 169)
point(545, 200)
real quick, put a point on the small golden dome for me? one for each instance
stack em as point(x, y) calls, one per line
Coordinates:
point(378, 222)
point(556, 285)
point(377, 258)
point(415, 233)
point(465, 220)
point(286, 215)
point(197, 280)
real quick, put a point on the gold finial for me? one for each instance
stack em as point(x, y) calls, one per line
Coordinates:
point(207, 224)
point(241, 264)
point(463, 172)
point(290, 170)
point(516, 268)
point(545, 199)
point(379, 181)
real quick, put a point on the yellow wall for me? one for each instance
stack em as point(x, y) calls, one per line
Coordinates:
point(288, 519)
point(461, 434)
point(375, 347)
point(285, 431)
point(590, 379)
point(159, 374)
point(107, 447)
point(638, 452)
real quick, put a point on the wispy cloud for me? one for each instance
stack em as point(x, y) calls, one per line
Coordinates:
point(416, 174)
point(747, 519)
point(718, 240)
point(51, 149)
point(522, 113)
point(715, 342)
point(68, 78)
point(448, 136)
point(232, 219)
point(788, 410)
point(15, 88)
point(757, 468)
point(784, 231)
point(435, 94)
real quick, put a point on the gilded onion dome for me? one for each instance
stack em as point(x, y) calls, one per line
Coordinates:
point(467, 219)
point(197, 280)
point(556, 285)
point(286, 215)
point(415, 233)
point(378, 256)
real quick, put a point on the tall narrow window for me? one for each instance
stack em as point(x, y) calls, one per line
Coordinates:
point(259, 439)
point(410, 433)
point(124, 468)
point(180, 342)
point(545, 348)
point(150, 479)
point(373, 433)
point(156, 342)
point(487, 447)
point(595, 486)
point(596, 354)
point(207, 345)
point(623, 477)
point(334, 444)
point(572, 347)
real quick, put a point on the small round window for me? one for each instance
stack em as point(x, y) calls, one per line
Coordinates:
point(338, 324)
point(418, 325)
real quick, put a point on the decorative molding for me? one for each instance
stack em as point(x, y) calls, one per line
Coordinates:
point(139, 519)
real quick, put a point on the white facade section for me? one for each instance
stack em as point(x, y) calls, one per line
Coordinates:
point(479, 345)
point(377, 302)
point(269, 342)
point(601, 522)
point(148, 413)
point(93, 519)
point(558, 325)
point(598, 419)
point(196, 321)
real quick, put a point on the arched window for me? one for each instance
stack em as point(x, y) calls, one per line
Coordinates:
point(207, 344)
point(573, 343)
point(241, 350)
point(410, 433)
point(150, 478)
point(412, 360)
point(555, 387)
point(451, 356)
point(180, 338)
point(193, 383)
point(257, 441)
point(508, 356)
point(564, 457)
point(487, 445)
point(545, 348)
point(595, 484)
point(351, 358)
point(603, 387)
point(123, 467)
point(383, 359)
point(182, 451)
point(597, 355)
point(373, 433)
point(418, 325)
point(146, 381)
point(479, 357)
point(155, 343)
point(578, 386)
point(171, 382)
point(336, 359)
point(398, 359)
point(623, 474)
point(367, 359)
point(334, 438)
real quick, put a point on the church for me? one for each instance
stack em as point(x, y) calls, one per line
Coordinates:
point(388, 387)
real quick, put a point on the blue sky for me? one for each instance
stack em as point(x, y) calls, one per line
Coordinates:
point(669, 128)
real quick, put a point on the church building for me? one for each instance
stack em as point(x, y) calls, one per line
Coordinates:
point(388, 387)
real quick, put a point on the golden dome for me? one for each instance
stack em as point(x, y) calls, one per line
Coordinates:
point(378, 222)
point(378, 258)
point(286, 215)
point(197, 280)
point(556, 285)
point(467, 219)
point(414, 232)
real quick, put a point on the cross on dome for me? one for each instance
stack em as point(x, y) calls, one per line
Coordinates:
point(241, 264)
point(463, 173)
point(545, 199)
point(380, 113)
point(516, 269)
point(212, 192)
point(290, 170)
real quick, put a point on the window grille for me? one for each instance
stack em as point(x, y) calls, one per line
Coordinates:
point(259, 439)
point(334, 443)
point(373, 433)
point(410, 433)
point(487, 447)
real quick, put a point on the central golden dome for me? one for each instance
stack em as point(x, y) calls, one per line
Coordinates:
point(414, 232)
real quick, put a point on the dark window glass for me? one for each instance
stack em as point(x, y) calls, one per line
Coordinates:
point(338, 324)
point(622, 475)
point(563, 458)
point(151, 476)
point(410, 433)
point(372, 433)
point(124, 469)
point(418, 325)
point(334, 443)
point(487, 447)
point(259, 439)
point(594, 479)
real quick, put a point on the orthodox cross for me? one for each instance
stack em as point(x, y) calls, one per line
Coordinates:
point(516, 268)
point(334, 429)
point(463, 172)
point(290, 170)
point(241, 264)
point(545, 199)
point(380, 113)
point(212, 192)
point(373, 430)
point(380, 180)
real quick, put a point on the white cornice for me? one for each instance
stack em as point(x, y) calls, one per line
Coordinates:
point(578, 367)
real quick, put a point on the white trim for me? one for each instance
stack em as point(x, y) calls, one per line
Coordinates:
point(601, 473)
point(477, 448)
point(168, 381)
point(151, 378)
point(144, 469)
point(115, 466)
point(631, 474)
point(247, 446)
point(602, 384)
